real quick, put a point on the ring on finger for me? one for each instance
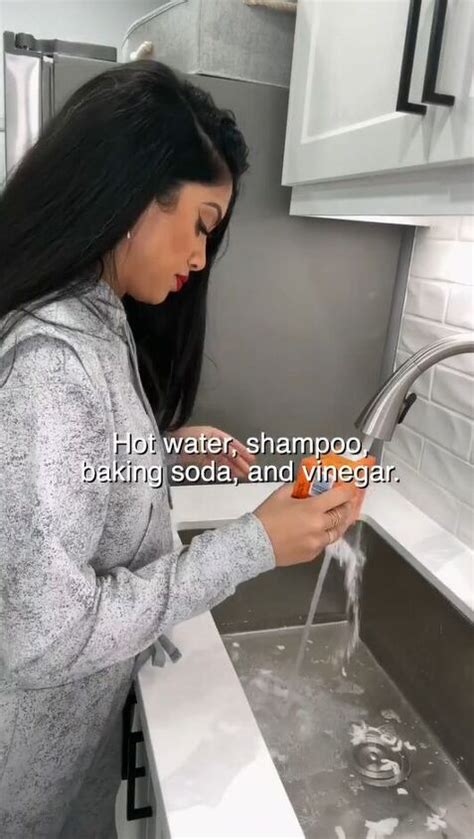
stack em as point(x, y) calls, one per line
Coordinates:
point(335, 517)
point(332, 535)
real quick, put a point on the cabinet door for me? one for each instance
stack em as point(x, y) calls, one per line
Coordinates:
point(451, 136)
point(347, 62)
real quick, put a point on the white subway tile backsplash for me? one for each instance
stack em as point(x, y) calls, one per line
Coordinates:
point(449, 472)
point(416, 333)
point(453, 390)
point(465, 528)
point(427, 299)
point(439, 302)
point(442, 227)
point(406, 444)
point(443, 260)
point(435, 502)
point(460, 311)
point(466, 228)
point(441, 426)
point(462, 363)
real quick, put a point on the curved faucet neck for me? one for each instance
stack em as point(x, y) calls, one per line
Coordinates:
point(381, 415)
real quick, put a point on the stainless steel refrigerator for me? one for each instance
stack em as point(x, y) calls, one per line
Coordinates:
point(39, 76)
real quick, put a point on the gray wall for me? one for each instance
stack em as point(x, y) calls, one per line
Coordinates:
point(298, 308)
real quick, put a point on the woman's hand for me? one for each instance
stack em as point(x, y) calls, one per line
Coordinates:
point(239, 463)
point(300, 528)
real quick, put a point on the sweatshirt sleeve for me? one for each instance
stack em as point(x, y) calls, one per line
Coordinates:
point(59, 620)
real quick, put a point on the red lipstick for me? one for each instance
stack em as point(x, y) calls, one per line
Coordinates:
point(181, 280)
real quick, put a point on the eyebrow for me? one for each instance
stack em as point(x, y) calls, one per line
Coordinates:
point(216, 207)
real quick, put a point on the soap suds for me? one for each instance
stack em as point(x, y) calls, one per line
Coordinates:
point(389, 714)
point(358, 733)
point(402, 791)
point(387, 764)
point(378, 830)
point(360, 730)
point(388, 739)
point(436, 821)
point(356, 785)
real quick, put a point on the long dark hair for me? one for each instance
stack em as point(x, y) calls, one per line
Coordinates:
point(128, 136)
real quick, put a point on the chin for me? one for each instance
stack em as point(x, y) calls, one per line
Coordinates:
point(152, 297)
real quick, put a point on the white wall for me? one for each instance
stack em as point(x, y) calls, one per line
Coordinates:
point(434, 448)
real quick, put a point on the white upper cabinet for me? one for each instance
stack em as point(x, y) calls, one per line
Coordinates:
point(379, 87)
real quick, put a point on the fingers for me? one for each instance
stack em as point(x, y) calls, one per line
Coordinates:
point(334, 497)
point(338, 519)
point(238, 466)
point(331, 536)
point(338, 516)
point(237, 456)
point(235, 448)
point(241, 451)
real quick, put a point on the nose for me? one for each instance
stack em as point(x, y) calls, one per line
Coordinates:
point(197, 260)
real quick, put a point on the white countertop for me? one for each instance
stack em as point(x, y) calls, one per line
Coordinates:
point(215, 774)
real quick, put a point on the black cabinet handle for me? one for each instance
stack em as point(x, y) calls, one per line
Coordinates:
point(434, 51)
point(127, 716)
point(403, 104)
point(129, 769)
point(134, 772)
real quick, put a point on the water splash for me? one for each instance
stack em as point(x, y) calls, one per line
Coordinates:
point(352, 558)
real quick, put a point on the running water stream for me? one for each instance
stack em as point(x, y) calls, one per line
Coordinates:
point(351, 557)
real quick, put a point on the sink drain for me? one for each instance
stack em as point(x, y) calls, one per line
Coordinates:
point(378, 764)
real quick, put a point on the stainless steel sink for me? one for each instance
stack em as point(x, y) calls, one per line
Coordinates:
point(387, 737)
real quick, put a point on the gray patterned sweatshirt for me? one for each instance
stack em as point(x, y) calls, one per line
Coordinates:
point(89, 572)
point(89, 575)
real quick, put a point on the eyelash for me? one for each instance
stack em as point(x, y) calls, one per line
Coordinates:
point(202, 229)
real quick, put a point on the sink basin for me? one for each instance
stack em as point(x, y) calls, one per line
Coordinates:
point(380, 746)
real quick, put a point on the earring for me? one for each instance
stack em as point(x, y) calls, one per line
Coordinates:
point(129, 235)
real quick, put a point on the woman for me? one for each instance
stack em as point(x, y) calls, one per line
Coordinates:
point(131, 184)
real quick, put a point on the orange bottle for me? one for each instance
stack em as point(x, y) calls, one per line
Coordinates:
point(311, 480)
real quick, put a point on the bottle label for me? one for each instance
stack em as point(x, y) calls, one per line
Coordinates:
point(317, 487)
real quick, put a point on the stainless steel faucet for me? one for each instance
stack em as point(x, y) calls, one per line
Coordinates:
point(389, 406)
